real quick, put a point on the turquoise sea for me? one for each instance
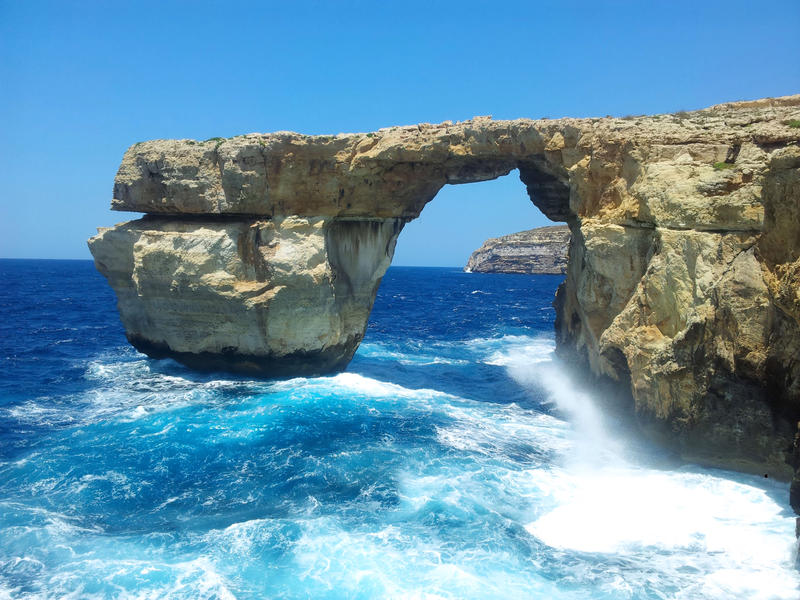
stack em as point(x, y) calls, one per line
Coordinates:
point(454, 458)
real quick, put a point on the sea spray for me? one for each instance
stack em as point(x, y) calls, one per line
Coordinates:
point(425, 471)
point(535, 368)
point(609, 504)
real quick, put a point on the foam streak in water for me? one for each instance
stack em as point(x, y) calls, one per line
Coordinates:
point(440, 465)
point(533, 367)
point(681, 521)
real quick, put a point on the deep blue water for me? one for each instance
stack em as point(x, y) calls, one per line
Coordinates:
point(453, 459)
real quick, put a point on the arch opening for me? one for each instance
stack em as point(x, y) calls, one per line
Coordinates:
point(462, 217)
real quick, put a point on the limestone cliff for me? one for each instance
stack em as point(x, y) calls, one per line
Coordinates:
point(282, 296)
point(263, 253)
point(536, 251)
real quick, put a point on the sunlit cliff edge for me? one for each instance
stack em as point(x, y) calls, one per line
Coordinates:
point(262, 253)
point(539, 251)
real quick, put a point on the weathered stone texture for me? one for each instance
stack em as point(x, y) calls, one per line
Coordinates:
point(536, 251)
point(285, 296)
point(683, 274)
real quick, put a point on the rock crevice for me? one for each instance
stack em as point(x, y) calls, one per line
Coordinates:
point(263, 253)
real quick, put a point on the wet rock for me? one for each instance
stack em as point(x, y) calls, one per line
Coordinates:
point(263, 253)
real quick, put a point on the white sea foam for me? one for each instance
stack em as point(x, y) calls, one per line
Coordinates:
point(40, 412)
point(417, 357)
point(392, 562)
point(198, 578)
point(8, 593)
point(126, 390)
point(494, 430)
point(358, 384)
point(531, 364)
point(489, 350)
point(733, 533)
point(508, 341)
point(663, 518)
point(512, 350)
point(479, 509)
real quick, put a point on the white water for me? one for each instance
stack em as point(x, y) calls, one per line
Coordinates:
point(350, 486)
point(737, 538)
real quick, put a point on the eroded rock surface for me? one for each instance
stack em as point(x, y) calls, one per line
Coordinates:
point(263, 252)
point(285, 296)
point(535, 251)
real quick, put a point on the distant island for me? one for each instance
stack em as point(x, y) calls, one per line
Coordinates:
point(536, 251)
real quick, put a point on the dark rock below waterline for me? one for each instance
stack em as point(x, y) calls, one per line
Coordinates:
point(684, 254)
point(313, 363)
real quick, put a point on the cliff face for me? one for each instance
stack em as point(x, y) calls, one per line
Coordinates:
point(536, 251)
point(263, 253)
point(281, 296)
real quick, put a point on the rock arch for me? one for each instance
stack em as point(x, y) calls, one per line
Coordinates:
point(263, 253)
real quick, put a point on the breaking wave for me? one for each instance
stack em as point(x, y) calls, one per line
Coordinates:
point(453, 459)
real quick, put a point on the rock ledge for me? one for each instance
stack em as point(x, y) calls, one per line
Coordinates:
point(683, 281)
point(540, 251)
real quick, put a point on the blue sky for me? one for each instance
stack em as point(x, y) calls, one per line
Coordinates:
point(81, 81)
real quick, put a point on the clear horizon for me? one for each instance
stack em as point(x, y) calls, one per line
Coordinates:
point(84, 81)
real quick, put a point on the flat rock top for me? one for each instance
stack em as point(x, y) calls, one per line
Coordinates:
point(394, 171)
point(539, 250)
point(548, 234)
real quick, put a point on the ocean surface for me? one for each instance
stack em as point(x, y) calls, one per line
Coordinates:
point(453, 459)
